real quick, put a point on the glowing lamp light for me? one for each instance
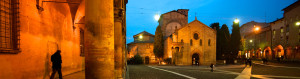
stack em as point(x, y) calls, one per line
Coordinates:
point(297, 23)
point(163, 63)
point(141, 36)
point(156, 17)
point(236, 20)
point(251, 41)
point(256, 28)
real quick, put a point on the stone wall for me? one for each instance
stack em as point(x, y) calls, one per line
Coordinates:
point(42, 33)
point(143, 49)
point(170, 20)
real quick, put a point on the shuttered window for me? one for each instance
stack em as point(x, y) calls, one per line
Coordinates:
point(9, 26)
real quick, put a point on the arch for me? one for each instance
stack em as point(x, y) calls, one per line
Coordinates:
point(195, 59)
point(278, 51)
point(80, 12)
point(258, 53)
point(171, 27)
point(267, 53)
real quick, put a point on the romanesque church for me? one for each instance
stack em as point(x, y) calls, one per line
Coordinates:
point(186, 43)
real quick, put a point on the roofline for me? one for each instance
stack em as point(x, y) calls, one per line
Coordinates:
point(142, 32)
point(136, 43)
point(294, 4)
point(187, 25)
point(277, 20)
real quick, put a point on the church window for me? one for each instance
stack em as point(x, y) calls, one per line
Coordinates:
point(196, 37)
point(209, 42)
point(191, 42)
point(200, 42)
point(9, 26)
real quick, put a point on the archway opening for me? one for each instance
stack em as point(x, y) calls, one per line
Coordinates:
point(279, 52)
point(147, 60)
point(195, 59)
point(267, 53)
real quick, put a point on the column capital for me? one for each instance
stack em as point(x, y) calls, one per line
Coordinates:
point(119, 14)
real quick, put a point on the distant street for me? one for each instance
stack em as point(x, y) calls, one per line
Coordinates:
point(271, 71)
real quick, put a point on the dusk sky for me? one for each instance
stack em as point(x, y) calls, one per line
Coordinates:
point(140, 13)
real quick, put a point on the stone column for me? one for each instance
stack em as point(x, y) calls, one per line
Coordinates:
point(118, 22)
point(99, 20)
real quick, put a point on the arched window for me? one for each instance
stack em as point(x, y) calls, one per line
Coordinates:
point(181, 40)
point(208, 42)
point(200, 42)
point(191, 42)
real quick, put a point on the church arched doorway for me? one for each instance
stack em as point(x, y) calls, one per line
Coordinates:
point(195, 59)
point(147, 60)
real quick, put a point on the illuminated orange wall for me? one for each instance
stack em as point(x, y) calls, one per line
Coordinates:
point(41, 32)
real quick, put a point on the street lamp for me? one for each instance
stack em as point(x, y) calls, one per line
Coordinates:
point(141, 36)
point(156, 17)
point(257, 28)
point(250, 41)
point(236, 20)
point(297, 23)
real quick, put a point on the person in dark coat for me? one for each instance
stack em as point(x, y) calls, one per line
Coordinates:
point(246, 62)
point(212, 67)
point(56, 64)
point(250, 62)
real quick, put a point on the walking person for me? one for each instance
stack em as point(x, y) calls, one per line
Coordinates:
point(250, 62)
point(266, 61)
point(56, 64)
point(212, 67)
point(246, 62)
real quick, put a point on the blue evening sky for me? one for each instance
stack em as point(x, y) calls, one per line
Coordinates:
point(140, 13)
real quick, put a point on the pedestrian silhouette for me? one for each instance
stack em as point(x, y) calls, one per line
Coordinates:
point(212, 67)
point(56, 64)
point(250, 62)
point(246, 62)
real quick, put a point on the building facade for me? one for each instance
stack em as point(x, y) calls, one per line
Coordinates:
point(184, 43)
point(143, 46)
point(279, 40)
point(256, 37)
point(187, 43)
point(32, 30)
point(193, 44)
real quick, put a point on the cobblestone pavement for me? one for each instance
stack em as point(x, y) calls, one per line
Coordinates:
point(182, 72)
point(258, 71)
point(275, 70)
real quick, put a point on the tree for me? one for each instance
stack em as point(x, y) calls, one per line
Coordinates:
point(137, 59)
point(235, 42)
point(158, 43)
point(216, 26)
point(224, 40)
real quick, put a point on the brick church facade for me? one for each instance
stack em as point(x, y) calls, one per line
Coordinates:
point(186, 43)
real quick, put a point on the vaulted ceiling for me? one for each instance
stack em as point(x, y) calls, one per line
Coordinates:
point(74, 4)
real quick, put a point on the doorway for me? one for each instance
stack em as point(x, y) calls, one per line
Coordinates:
point(195, 59)
point(147, 60)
